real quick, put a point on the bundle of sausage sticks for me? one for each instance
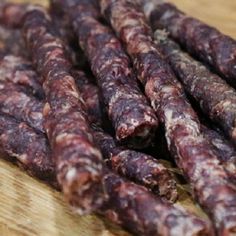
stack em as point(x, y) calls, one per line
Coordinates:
point(94, 94)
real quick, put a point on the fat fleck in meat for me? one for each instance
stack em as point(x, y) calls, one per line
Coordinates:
point(191, 150)
point(128, 109)
point(79, 164)
point(202, 40)
point(216, 98)
point(29, 149)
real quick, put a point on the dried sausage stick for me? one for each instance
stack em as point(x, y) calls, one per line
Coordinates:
point(225, 150)
point(143, 214)
point(132, 117)
point(30, 149)
point(136, 166)
point(204, 41)
point(19, 71)
point(79, 163)
point(15, 102)
point(191, 150)
point(216, 98)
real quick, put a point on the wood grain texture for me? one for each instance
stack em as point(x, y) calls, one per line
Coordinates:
point(30, 208)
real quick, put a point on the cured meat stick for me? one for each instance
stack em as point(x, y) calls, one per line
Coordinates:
point(202, 40)
point(132, 117)
point(79, 163)
point(138, 211)
point(225, 150)
point(192, 152)
point(216, 98)
point(15, 102)
point(136, 166)
point(29, 149)
point(17, 70)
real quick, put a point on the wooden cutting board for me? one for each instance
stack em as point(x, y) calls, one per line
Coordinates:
point(30, 208)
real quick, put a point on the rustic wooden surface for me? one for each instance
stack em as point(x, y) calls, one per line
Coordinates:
point(28, 207)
